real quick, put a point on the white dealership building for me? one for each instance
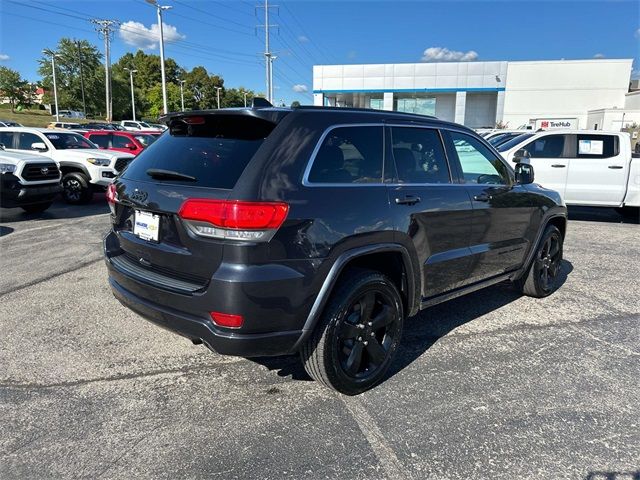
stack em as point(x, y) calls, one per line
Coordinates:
point(480, 94)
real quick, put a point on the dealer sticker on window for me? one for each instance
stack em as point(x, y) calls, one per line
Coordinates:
point(146, 225)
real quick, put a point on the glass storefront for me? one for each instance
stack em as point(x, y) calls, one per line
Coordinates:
point(423, 106)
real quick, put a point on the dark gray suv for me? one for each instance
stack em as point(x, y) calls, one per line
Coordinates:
point(269, 231)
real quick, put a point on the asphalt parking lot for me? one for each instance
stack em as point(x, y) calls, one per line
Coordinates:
point(491, 385)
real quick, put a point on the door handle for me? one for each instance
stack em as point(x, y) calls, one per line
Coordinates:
point(482, 197)
point(616, 167)
point(558, 165)
point(408, 200)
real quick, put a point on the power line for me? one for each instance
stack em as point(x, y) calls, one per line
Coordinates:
point(211, 14)
point(268, 55)
point(302, 29)
point(105, 30)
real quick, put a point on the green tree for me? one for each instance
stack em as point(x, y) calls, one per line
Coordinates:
point(71, 54)
point(13, 87)
point(234, 97)
point(295, 104)
point(200, 89)
point(154, 98)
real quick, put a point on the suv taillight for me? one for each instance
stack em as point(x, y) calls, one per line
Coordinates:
point(112, 197)
point(234, 219)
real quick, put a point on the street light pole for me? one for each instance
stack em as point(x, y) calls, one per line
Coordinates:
point(182, 93)
point(160, 8)
point(55, 89)
point(133, 100)
point(218, 95)
point(245, 98)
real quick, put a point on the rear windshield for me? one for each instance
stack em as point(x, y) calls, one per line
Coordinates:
point(213, 150)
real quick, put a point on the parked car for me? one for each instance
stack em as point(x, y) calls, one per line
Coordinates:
point(71, 114)
point(65, 125)
point(318, 230)
point(85, 168)
point(133, 125)
point(130, 142)
point(588, 167)
point(159, 126)
point(28, 181)
point(9, 123)
point(103, 126)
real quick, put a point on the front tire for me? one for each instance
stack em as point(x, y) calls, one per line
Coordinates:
point(542, 278)
point(76, 188)
point(357, 335)
point(36, 208)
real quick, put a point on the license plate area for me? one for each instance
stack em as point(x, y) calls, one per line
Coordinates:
point(146, 225)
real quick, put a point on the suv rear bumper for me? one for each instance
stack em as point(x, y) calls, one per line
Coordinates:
point(15, 194)
point(194, 328)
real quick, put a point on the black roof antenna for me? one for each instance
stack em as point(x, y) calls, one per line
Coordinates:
point(259, 102)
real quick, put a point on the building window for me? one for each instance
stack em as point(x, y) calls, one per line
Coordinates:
point(422, 106)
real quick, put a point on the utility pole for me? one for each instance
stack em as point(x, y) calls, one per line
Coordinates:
point(268, 62)
point(84, 104)
point(105, 30)
point(160, 8)
point(245, 98)
point(133, 99)
point(55, 89)
point(218, 95)
point(182, 93)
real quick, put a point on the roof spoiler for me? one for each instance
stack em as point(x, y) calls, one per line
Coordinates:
point(259, 102)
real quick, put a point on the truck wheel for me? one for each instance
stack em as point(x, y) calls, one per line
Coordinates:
point(76, 188)
point(542, 277)
point(357, 335)
point(36, 208)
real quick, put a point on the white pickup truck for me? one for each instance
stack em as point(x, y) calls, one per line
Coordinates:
point(587, 167)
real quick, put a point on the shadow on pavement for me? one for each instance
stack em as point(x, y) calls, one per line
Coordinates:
point(612, 475)
point(600, 214)
point(59, 210)
point(426, 328)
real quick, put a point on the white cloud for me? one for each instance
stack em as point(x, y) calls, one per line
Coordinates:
point(4, 57)
point(599, 55)
point(136, 34)
point(303, 39)
point(637, 33)
point(300, 88)
point(440, 54)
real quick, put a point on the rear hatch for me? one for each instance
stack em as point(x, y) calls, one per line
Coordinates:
point(202, 156)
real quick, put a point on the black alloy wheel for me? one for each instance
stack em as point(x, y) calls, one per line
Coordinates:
point(543, 276)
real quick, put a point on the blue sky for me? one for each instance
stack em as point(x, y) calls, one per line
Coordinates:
point(222, 37)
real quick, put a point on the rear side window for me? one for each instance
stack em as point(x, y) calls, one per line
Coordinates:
point(549, 146)
point(349, 155)
point(597, 146)
point(101, 140)
point(213, 149)
point(419, 155)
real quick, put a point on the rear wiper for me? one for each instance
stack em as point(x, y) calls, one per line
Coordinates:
point(159, 173)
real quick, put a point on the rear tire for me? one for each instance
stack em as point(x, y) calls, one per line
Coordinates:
point(76, 188)
point(541, 279)
point(357, 335)
point(36, 208)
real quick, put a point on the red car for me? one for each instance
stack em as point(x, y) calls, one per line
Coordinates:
point(130, 142)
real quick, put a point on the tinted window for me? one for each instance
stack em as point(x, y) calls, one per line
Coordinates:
point(597, 146)
point(514, 141)
point(478, 164)
point(6, 139)
point(419, 155)
point(549, 146)
point(64, 141)
point(101, 140)
point(120, 141)
point(146, 140)
point(26, 139)
point(349, 155)
point(215, 152)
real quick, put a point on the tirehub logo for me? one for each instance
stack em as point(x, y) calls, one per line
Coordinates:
point(544, 124)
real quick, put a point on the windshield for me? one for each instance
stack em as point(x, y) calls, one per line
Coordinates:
point(146, 140)
point(65, 141)
point(513, 142)
point(145, 124)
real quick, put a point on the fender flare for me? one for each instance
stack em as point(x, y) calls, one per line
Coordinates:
point(527, 263)
point(413, 295)
point(81, 168)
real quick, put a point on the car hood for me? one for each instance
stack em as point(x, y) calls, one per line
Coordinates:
point(83, 153)
point(16, 157)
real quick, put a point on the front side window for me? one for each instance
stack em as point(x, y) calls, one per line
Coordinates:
point(478, 164)
point(549, 146)
point(120, 141)
point(6, 139)
point(349, 155)
point(597, 146)
point(25, 140)
point(419, 155)
point(67, 141)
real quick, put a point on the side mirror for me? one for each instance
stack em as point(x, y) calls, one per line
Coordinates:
point(521, 156)
point(39, 146)
point(524, 174)
point(130, 146)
